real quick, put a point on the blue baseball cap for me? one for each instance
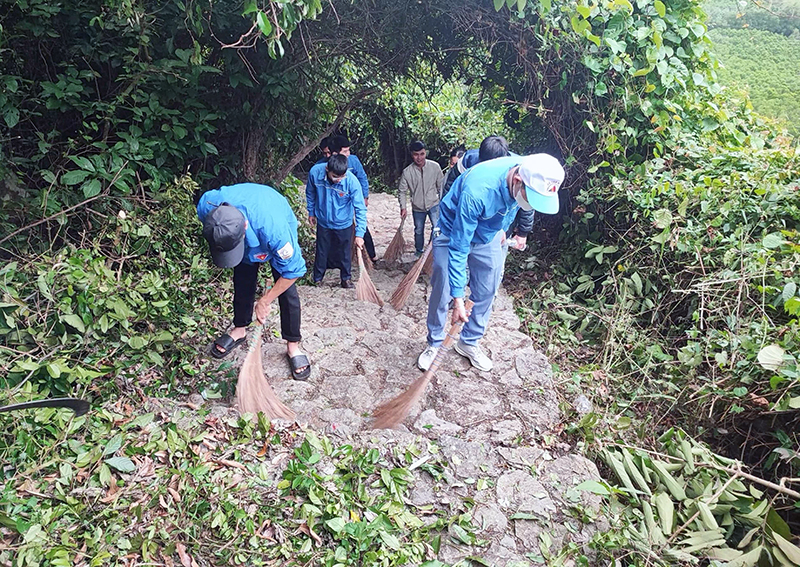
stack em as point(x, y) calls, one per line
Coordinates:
point(542, 176)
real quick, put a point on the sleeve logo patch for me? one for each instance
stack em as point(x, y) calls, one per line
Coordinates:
point(286, 251)
point(261, 257)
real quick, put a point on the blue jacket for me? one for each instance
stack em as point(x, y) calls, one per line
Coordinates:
point(271, 234)
point(354, 164)
point(358, 170)
point(475, 209)
point(334, 205)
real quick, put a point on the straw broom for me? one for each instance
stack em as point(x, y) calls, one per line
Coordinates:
point(400, 295)
point(427, 267)
point(354, 251)
point(390, 414)
point(396, 247)
point(253, 392)
point(365, 289)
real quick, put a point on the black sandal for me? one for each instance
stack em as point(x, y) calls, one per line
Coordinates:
point(297, 362)
point(226, 343)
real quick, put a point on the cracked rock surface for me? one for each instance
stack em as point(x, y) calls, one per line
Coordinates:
point(487, 426)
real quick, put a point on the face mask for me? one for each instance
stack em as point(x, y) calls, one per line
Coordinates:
point(523, 204)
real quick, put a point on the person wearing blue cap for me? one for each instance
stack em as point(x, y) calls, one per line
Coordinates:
point(494, 147)
point(473, 218)
point(341, 145)
point(247, 225)
point(333, 196)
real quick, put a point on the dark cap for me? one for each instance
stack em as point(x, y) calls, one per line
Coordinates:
point(224, 229)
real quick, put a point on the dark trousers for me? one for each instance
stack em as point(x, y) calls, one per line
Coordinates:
point(245, 279)
point(333, 251)
point(369, 244)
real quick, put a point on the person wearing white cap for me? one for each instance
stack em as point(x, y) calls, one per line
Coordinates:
point(473, 218)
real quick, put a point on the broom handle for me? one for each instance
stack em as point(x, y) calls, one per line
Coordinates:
point(359, 253)
point(256, 338)
point(454, 331)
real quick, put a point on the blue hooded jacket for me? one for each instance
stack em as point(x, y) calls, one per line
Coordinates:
point(271, 234)
point(476, 208)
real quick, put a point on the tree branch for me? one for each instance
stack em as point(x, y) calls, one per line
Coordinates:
point(306, 148)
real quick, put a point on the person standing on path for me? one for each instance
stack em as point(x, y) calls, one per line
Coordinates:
point(246, 225)
point(423, 180)
point(341, 145)
point(494, 147)
point(475, 215)
point(324, 150)
point(333, 196)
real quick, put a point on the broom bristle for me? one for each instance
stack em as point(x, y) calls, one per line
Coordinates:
point(253, 392)
point(368, 261)
point(403, 290)
point(397, 246)
point(365, 289)
point(390, 414)
point(428, 266)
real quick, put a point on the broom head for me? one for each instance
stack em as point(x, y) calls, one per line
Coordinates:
point(427, 267)
point(365, 289)
point(406, 285)
point(397, 246)
point(390, 414)
point(253, 392)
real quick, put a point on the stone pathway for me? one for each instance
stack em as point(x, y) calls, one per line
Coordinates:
point(487, 425)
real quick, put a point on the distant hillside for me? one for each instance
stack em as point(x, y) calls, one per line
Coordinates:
point(766, 65)
point(760, 51)
point(779, 16)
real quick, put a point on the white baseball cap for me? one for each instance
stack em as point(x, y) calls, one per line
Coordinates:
point(542, 176)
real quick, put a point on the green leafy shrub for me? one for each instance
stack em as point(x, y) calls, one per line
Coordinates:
point(685, 503)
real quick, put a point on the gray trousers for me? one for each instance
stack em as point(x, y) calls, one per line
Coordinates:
point(485, 263)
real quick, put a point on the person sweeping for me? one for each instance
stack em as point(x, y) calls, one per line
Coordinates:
point(473, 219)
point(333, 196)
point(247, 225)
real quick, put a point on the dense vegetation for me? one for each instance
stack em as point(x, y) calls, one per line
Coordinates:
point(670, 291)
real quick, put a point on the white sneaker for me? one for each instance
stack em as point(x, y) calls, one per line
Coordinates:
point(475, 355)
point(426, 358)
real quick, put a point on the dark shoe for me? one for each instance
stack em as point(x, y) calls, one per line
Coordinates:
point(223, 346)
point(301, 367)
point(348, 284)
point(315, 283)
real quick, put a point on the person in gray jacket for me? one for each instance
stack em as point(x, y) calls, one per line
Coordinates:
point(423, 180)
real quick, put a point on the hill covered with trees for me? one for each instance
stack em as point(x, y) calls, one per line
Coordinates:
point(758, 45)
point(665, 292)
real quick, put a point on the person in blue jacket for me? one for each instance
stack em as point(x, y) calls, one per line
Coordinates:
point(247, 225)
point(341, 145)
point(333, 196)
point(473, 218)
point(325, 151)
point(494, 147)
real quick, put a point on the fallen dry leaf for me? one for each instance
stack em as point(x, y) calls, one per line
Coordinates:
point(304, 527)
point(228, 463)
point(111, 494)
point(186, 559)
point(174, 493)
